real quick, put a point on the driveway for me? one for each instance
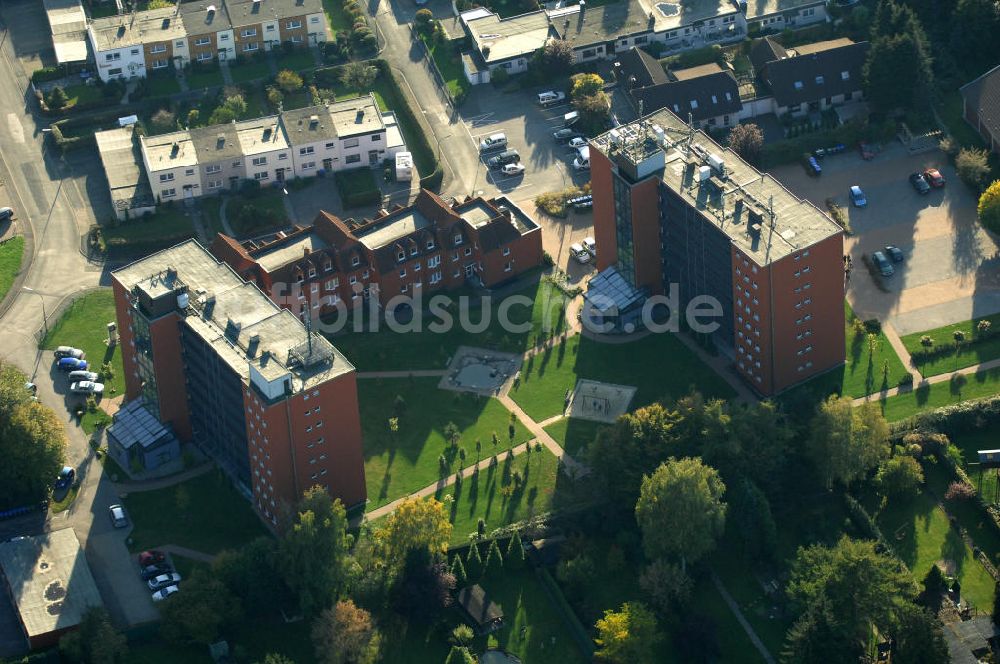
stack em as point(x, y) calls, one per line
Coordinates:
point(29, 33)
point(952, 270)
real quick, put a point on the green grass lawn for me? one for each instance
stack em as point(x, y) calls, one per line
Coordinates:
point(929, 397)
point(734, 644)
point(209, 206)
point(449, 63)
point(920, 534)
point(966, 357)
point(400, 463)
point(92, 420)
point(11, 252)
point(862, 373)
point(204, 76)
point(297, 60)
point(269, 201)
point(65, 500)
point(967, 513)
point(84, 326)
point(388, 350)
point(257, 637)
point(950, 111)
point(161, 85)
point(483, 497)
point(339, 20)
point(546, 377)
point(249, 70)
point(205, 514)
point(299, 99)
point(186, 566)
point(83, 94)
point(163, 229)
point(574, 434)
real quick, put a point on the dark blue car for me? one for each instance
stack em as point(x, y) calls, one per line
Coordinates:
point(72, 364)
point(65, 477)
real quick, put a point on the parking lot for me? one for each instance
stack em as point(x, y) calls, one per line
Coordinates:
point(951, 270)
point(529, 128)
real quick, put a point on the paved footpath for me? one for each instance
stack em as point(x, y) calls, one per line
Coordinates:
point(417, 373)
point(747, 627)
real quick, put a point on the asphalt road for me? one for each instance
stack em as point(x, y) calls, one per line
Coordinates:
point(52, 197)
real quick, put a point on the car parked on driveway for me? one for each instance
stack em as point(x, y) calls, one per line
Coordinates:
point(813, 167)
point(858, 197)
point(579, 253)
point(164, 580)
point(83, 375)
point(493, 142)
point(87, 387)
point(550, 97)
point(513, 169)
point(504, 158)
point(151, 557)
point(577, 142)
point(566, 134)
point(894, 253)
point(919, 183)
point(69, 351)
point(590, 245)
point(152, 571)
point(934, 178)
point(161, 595)
point(883, 264)
point(65, 477)
point(6, 213)
point(72, 364)
point(118, 517)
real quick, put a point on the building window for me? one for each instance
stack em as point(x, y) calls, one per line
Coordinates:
point(224, 37)
point(293, 25)
point(283, 156)
point(694, 103)
point(416, 267)
point(160, 64)
point(508, 266)
point(307, 150)
point(433, 262)
point(263, 175)
point(202, 41)
point(167, 177)
point(353, 280)
point(252, 46)
point(269, 28)
point(215, 168)
point(506, 251)
point(214, 184)
point(819, 80)
point(589, 53)
point(249, 32)
point(402, 272)
point(189, 172)
point(309, 165)
point(296, 39)
point(351, 142)
point(352, 159)
point(845, 75)
point(260, 161)
point(798, 85)
point(167, 193)
point(158, 48)
point(468, 251)
point(355, 261)
point(403, 288)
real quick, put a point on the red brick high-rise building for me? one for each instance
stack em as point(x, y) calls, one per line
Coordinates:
point(673, 207)
point(275, 405)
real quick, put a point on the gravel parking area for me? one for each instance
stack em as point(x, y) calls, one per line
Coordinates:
point(951, 271)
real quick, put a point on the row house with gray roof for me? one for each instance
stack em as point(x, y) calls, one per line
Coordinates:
point(272, 149)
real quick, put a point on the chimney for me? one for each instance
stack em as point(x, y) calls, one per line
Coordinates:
point(305, 252)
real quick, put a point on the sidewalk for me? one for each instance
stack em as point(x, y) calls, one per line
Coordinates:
point(577, 468)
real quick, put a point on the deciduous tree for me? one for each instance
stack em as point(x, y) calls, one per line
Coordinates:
point(358, 75)
point(666, 585)
point(680, 510)
point(899, 477)
point(313, 553)
point(198, 614)
point(95, 641)
point(415, 524)
point(585, 85)
point(846, 442)
point(555, 58)
point(746, 140)
point(424, 586)
point(989, 208)
point(628, 636)
point(345, 634)
point(257, 560)
point(163, 120)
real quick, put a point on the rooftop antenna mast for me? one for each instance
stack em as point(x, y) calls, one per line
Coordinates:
point(770, 209)
point(690, 129)
point(309, 334)
point(641, 105)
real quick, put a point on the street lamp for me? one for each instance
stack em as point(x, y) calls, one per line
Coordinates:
point(45, 318)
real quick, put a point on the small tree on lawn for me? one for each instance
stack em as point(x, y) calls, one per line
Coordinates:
point(358, 75)
point(458, 570)
point(461, 636)
point(473, 564)
point(494, 561)
point(515, 553)
point(288, 81)
point(192, 117)
point(746, 140)
point(424, 21)
point(585, 85)
point(899, 477)
point(57, 98)
point(983, 326)
point(973, 166)
point(274, 97)
point(989, 208)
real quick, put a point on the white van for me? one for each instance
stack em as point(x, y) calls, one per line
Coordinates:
point(550, 97)
point(582, 161)
point(570, 118)
point(493, 142)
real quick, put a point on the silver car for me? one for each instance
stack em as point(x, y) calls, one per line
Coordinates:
point(75, 376)
point(69, 351)
point(118, 517)
point(164, 580)
point(87, 387)
point(161, 595)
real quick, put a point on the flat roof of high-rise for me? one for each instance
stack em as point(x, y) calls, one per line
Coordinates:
point(762, 218)
point(239, 321)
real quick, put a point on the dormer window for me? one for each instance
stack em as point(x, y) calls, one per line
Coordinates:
point(694, 103)
point(299, 277)
point(819, 80)
point(798, 85)
point(458, 239)
point(715, 100)
point(845, 75)
point(355, 261)
point(327, 266)
point(414, 250)
point(430, 244)
point(312, 272)
point(401, 255)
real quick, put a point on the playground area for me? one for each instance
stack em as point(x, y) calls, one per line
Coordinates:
point(599, 402)
point(480, 371)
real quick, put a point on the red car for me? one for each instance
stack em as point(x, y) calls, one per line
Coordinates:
point(934, 177)
point(147, 558)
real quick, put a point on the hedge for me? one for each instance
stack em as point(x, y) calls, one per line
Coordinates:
point(46, 74)
point(928, 353)
point(423, 151)
point(957, 418)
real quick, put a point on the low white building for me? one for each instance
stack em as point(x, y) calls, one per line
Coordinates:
point(171, 164)
point(266, 153)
